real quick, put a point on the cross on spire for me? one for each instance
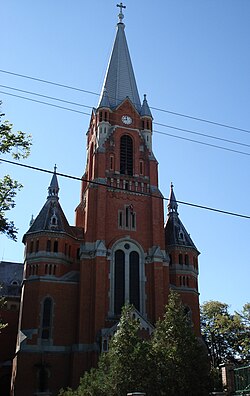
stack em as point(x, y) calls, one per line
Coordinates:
point(120, 15)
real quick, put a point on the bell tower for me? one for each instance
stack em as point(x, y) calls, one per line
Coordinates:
point(123, 257)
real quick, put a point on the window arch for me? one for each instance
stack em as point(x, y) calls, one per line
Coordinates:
point(127, 277)
point(46, 318)
point(55, 246)
point(126, 155)
point(119, 274)
point(134, 279)
point(48, 247)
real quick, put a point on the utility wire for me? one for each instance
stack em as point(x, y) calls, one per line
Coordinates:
point(121, 189)
point(46, 103)
point(155, 131)
point(155, 123)
point(153, 108)
point(202, 134)
point(46, 96)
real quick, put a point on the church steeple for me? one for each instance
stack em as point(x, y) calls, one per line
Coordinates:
point(119, 81)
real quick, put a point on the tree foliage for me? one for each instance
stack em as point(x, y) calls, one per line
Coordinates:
point(226, 335)
point(18, 145)
point(180, 359)
point(172, 362)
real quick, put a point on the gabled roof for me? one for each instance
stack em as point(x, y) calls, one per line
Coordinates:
point(119, 81)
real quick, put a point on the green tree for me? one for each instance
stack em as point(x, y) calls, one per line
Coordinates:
point(124, 368)
point(18, 145)
point(226, 335)
point(243, 339)
point(128, 360)
point(172, 363)
point(180, 360)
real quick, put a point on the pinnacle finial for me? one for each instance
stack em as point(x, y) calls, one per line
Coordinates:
point(120, 15)
point(53, 189)
point(32, 220)
point(172, 204)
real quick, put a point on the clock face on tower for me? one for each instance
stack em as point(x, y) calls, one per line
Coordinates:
point(126, 119)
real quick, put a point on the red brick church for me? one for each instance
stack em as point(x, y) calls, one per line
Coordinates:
point(77, 278)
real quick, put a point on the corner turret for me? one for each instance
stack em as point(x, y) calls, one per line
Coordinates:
point(146, 120)
point(183, 264)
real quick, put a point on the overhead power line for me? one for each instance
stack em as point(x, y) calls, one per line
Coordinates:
point(121, 189)
point(155, 131)
point(45, 103)
point(152, 107)
point(155, 123)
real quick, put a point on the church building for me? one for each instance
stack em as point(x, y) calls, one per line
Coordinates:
point(77, 278)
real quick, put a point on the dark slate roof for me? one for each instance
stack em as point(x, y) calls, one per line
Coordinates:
point(104, 102)
point(11, 276)
point(145, 110)
point(51, 217)
point(119, 82)
point(175, 232)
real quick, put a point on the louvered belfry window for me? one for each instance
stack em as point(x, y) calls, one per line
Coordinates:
point(126, 155)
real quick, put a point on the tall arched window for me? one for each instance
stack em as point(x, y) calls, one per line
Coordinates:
point(134, 277)
point(46, 318)
point(119, 276)
point(127, 277)
point(126, 155)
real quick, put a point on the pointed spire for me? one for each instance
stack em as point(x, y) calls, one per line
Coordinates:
point(32, 220)
point(53, 189)
point(172, 204)
point(175, 232)
point(120, 80)
point(104, 102)
point(145, 110)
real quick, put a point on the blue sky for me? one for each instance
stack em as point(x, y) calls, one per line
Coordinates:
point(190, 57)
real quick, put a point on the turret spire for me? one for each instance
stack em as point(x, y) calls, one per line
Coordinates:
point(145, 110)
point(172, 204)
point(53, 189)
